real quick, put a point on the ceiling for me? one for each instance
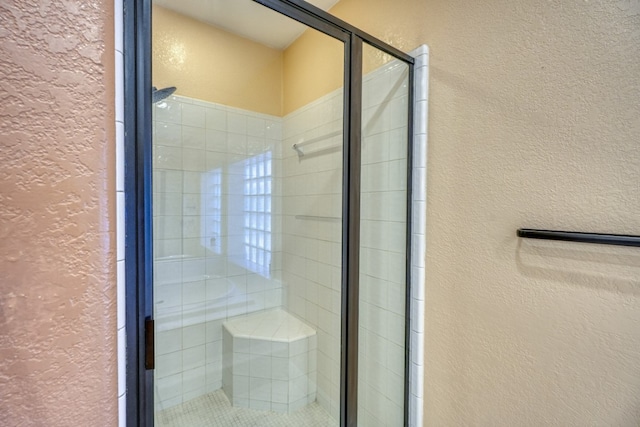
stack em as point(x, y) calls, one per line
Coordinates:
point(245, 18)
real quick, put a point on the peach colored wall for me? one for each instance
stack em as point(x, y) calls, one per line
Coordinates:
point(534, 121)
point(205, 62)
point(313, 66)
point(57, 250)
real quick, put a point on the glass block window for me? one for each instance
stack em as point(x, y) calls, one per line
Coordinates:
point(257, 213)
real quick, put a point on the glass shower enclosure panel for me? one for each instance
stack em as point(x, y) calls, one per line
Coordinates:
point(247, 213)
point(383, 240)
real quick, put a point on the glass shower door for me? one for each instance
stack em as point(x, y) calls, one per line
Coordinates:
point(383, 240)
point(247, 214)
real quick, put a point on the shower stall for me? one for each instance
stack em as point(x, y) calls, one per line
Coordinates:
point(281, 220)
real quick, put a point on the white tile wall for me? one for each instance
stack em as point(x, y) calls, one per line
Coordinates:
point(418, 238)
point(311, 238)
point(383, 246)
point(120, 232)
point(200, 278)
point(312, 208)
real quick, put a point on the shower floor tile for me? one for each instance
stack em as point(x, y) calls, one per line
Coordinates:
point(214, 409)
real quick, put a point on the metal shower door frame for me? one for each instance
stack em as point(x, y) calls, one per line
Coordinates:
point(138, 204)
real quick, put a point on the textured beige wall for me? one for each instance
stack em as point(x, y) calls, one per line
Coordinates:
point(207, 63)
point(57, 250)
point(534, 121)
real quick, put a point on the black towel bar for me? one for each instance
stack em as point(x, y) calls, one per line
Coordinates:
point(575, 236)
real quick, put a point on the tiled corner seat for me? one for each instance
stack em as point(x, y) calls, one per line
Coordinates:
point(269, 361)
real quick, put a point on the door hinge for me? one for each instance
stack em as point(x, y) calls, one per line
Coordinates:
point(149, 357)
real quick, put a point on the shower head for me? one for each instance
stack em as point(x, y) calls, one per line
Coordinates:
point(158, 95)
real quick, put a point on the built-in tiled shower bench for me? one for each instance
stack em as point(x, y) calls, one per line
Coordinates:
point(269, 361)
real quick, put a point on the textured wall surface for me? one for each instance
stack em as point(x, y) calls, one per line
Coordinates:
point(534, 119)
point(57, 252)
